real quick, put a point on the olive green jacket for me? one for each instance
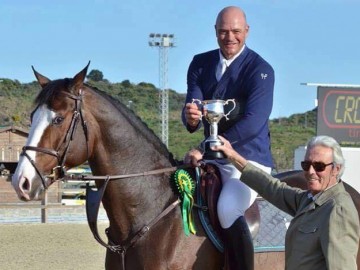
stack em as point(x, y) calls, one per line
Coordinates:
point(323, 234)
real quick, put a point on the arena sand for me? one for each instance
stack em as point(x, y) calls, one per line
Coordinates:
point(60, 246)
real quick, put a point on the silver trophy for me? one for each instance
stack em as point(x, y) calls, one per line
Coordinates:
point(213, 111)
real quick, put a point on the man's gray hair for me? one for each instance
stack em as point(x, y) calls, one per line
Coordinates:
point(330, 142)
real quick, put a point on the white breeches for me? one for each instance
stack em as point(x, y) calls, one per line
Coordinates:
point(235, 196)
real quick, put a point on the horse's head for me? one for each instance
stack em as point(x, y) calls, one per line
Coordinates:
point(56, 140)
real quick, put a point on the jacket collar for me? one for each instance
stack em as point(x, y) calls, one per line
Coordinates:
point(324, 196)
point(321, 198)
point(222, 84)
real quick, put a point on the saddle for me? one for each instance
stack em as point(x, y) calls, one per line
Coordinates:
point(208, 188)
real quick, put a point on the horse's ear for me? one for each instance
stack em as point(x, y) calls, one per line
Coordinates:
point(43, 81)
point(79, 78)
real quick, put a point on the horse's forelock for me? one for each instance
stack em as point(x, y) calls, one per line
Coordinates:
point(52, 91)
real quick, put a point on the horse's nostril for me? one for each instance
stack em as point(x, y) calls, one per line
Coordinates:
point(25, 185)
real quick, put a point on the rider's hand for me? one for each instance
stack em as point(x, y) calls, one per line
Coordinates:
point(193, 157)
point(192, 114)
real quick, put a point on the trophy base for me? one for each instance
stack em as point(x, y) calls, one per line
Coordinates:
point(211, 154)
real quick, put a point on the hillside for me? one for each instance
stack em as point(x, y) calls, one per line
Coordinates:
point(143, 98)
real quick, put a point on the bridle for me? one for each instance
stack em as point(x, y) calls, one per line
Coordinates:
point(59, 171)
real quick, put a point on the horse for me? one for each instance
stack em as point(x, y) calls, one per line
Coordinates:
point(73, 123)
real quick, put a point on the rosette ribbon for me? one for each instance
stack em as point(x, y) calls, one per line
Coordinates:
point(186, 189)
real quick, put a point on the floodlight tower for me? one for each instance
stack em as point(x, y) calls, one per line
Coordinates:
point(164, 42)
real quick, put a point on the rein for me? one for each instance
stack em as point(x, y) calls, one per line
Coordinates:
point(84, 177)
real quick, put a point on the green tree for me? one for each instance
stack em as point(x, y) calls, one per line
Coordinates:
point(95, 75)
point(126, 83)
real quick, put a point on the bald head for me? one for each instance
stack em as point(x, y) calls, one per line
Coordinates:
point(231, 31)
point(233, 12)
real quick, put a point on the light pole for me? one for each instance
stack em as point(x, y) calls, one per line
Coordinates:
point(163, 42)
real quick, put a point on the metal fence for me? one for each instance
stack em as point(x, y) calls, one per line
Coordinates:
point(273, 226)
point(55, 213)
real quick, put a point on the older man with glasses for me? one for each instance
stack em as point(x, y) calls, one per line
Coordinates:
point(324, 231)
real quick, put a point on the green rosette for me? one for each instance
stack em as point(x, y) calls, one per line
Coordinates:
point(185, 186)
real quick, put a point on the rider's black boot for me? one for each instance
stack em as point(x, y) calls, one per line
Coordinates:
point(239, 249)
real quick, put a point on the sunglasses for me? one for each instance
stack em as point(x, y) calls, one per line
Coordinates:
point(318, 166)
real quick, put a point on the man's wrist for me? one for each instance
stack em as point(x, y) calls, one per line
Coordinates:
point(191, 128)
point(201, 147)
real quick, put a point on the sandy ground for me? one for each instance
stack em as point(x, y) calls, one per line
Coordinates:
point(64, 246)
point(71, 246)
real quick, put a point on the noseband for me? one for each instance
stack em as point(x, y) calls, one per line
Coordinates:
point(58, 171)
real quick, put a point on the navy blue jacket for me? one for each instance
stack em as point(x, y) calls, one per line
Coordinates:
point(250, 81)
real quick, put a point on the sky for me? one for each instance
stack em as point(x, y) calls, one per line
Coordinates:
point(305, 41)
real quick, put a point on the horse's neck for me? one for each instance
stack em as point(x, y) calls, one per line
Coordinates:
point(119, 147)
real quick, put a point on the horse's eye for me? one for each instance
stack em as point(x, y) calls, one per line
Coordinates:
point(58, 120)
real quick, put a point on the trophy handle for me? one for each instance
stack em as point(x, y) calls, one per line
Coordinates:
point(195, 100)
point(226, 102)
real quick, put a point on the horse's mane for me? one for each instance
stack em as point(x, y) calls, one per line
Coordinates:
point(137, 123)
point(51, 92)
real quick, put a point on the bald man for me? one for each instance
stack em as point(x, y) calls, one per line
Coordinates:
point(233, 71)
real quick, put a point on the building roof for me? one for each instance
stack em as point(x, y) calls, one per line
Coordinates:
point(14, 129)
